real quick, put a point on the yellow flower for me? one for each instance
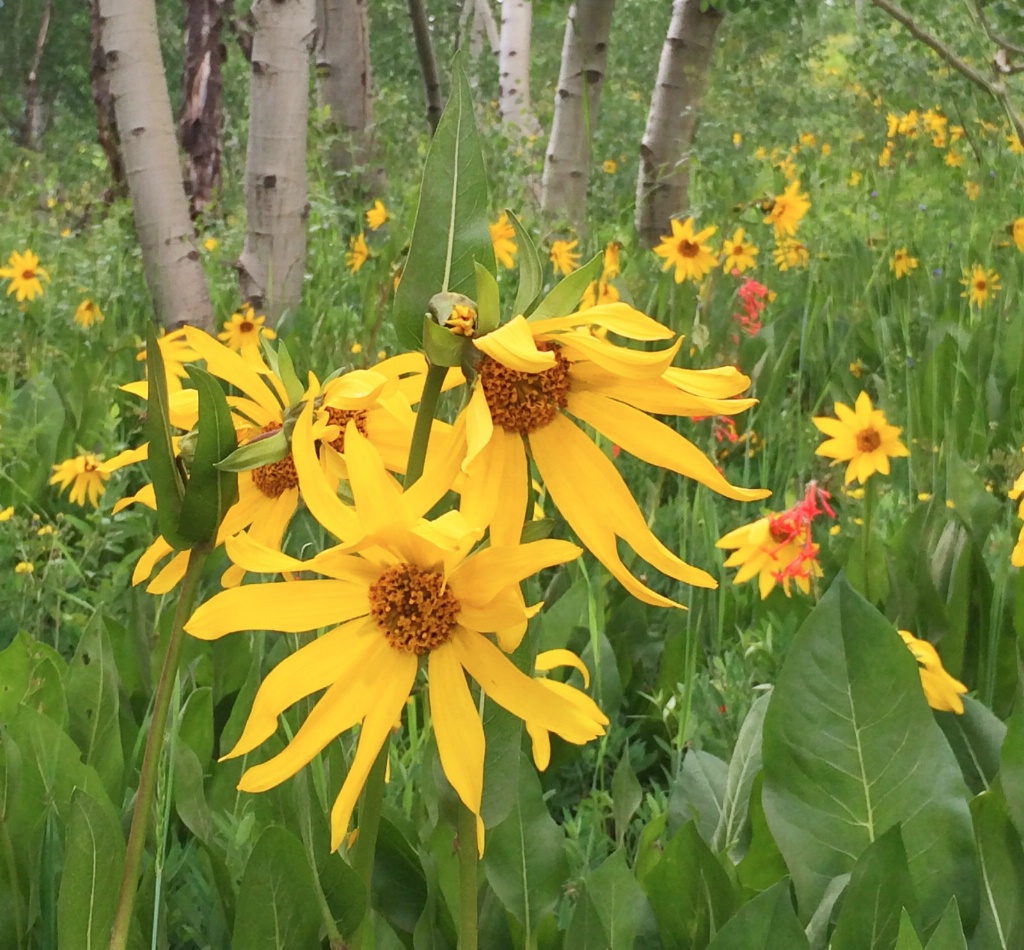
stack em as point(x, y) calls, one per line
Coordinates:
point(908, 124)
point(885, 157)
point(609, 166)
point(25, 275)
point(981, 284)
point(599, 292)
point(953, 159)
point(892, 125)
point(857, 368)
point(1017, 557)
point(7, 513)
point(211, 244)
point(87, 475)
point(855, 179)
point(65, 233)
point(612, 265)
point(176, 352)
point(535, 378)
point(940, 689)
point(791, 254)
point(1016, 145)
point(826, 150)
point(956, 132)
point(377, 215)
point(740, 254)
point(88, 313)
point(687, 251)
point(807, 140)
point(358, 253)
point(737, 139)
point(411, 589)
point(901, 263)
point(760, 153)
point(24, 567)
point(503, 238)
point(45, 531)
point(563, 257)
point(788, 211)
point(1017, 229)
point(243, 331)
point(356, 349)
point(862, 437)
point(973, 190)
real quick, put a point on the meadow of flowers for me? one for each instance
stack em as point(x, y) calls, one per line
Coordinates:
point(725, 534)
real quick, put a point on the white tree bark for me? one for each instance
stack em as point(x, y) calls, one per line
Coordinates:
point(663, 182)
point(143, 109)
point(477, 20)
point(272, 262)
point(577, 102)
point(514, 67)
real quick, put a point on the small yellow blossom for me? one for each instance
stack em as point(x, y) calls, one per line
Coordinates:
point(901, 263)
point(358, 253)
point(1017, 229)
point(25, 275)
point(612, 265)
point(88, 313)
point(924, 496)
point(609, 166)
point(740, 254)
point(791, 254)
point(211, 244)
point(980, 284)
point(45, 531)
point(953, 159)
point(788, 210)
point(857, 368)
point(356, 349)
point(564, 256)
point(24, 567)
point(737, 139)
point(503, 238)
point(7, 513)
point(973, 189)
point(244, 329)
point(826, 149)
point(862, 437)
point(885, 157)
point(807, 139)
point(855, 179)
point(377, 215)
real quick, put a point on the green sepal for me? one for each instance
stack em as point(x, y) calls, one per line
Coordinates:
point(280, 361)
point(209, 492)
point(442, 347)
point(566, 294)
point(168, 479)
point(488, 301)
point(531, 273)
point(263, 451)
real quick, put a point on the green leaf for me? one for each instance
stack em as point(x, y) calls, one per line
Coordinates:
point(743, 768)
point(1001, 863)
point(907, 938)
point(280, 361)
point(690, 892)
point(450, 234)
point(975, 738)
point(210, 492)
point(851, 748)
point(626, 796)
point(442, 347)
point(32, 674)
point(263, 451)
point(949, 933)
point(1011, 767)
point(277, 909)
point(531, 273)
point(768, 922)
point(879, 890)
point(562, 300)
point(189, 797)
point(91, 877)
point(33, 422)
point(168, 482)
point(698, 793)
point(763, 864)
point(488, 300)
point(399, 884)
point(611, 910)
point(525, 860)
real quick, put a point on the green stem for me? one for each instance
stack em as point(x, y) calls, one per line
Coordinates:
point(370, 807)
point(154, 746)
point(468, 886)
point(424, 421)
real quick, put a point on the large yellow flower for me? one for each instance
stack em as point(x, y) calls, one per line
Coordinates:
point(687, 252)
point(534, 377)
point(244, 330)
point(25, 275)
point(407, 589)
point(503, 237)
point(788, 211)
point(861, 436)
point(940, 689)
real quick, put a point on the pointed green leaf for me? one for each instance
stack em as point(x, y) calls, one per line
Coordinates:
point(280, 361)
point(263, 451)
point(531, 273)
point(1011, 767)
point(619, 901)
point(907, 938)
point(210, 492)
point(698, 793)
point(850, 748)
point(743, 768)
point(1001, 864)
point(566, 294)
point(768, 922)
point(975, 737)
point(626, 796)
point(488, 301)
point(763, 864)
point(949, 933)
point(450, 233)
point(164, 470)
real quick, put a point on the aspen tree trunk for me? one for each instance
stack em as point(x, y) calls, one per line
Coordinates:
point(478, 21)
point(663, 183)
point(272, 262)
point(201, 122)
point(103, 101)
point(514, 67)
point(344, 82)
point(143, 109)
point(33, 120)
point(577, 101)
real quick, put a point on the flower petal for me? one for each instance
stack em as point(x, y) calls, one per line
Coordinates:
point(484, 575)
point(513, 345)
point(620, 318)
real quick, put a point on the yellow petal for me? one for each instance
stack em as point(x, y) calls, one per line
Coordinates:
point(620, 318)
point(480, 578)
point(155, 553)
point(619, 360)
point(504, 613)
point(479, 426)
point(514, 346)
point(250, 555)
point(169, 576)
point(231, 367)
point(550, 659)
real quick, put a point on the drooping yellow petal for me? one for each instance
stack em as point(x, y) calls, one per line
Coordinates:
point(127, 457)
point(479, 426)
point(619, 318)
point(144, 496)
point(252, 555)
point(618, 360)
point(480, 578)
point(231, 367)
point(550, 659)
point(502, 613)
point(513, 345)
point(170, 574)
point(155, 553)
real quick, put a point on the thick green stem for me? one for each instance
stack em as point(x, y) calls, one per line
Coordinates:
point(468, 886)
point(424, 420)
point(370, 806)
point(154, 747)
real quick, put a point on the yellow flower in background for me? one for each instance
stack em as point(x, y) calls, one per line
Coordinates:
point(892, 125)
point(885, 157)
point(176, 352)
point(7, 513)
point(807, 140)
point(857, 368)
point(737, 139)
point(87, 474)
point(409, 590)
point(88, 314)
point(940, 689)
point(740, 254)
point(356, 349)
point(24, 567)
point(855, 178)
point(973, 190)
point(788, 211)
point(503, 238)
point(862, 437)
point(901, 263)
point(908, 124)
point(760, 153)
point(377, 215)
point(981, 284)
point(609, 166)
point(791, 254)
point(25, 276)
point(953, 159)
point(1016, 145)
point(687, 251)
point(826, 150)
point(563, 256)
point(599, 292)
point(211, 244)
point(612, 263)
point(1017, 557)
point(956, 132)
point(1017, 230)
point(358, 253)
point(244, 330)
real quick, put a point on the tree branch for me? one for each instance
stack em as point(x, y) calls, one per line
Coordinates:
point(979, 6)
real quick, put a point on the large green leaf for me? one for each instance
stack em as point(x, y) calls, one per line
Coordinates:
point(743, 768)
point(768, 922)
point(907, 938)
point(698, 793)
point(949, 933)
point(531, 274)
point(975, 738)
point(851, 748)
point(450, 232)
point(1001, 862)
point(611, 910)
point(566, 294)
point(763, 865)
point(32, 674)
point(33, 423)
point(1011, 768)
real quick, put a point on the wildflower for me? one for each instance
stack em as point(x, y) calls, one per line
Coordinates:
point(377, 215)
point(598, 293)
point(687, 251)
point(901, 263)
point(46, 531)
point(24, 567)
point(862, 437)
point(760, 153)
point(87, 475)
point(1017, 229)
point(981, 283)
point(973, 190)
point(211, 244)
point(1017, 556)
point(791, 254)
point(779, 548)
point(356, 349)
point(908, 124)
point(857, 368)
point(740, 254)
point(65, 232)
point(7, 513)
point(410, 591)
point(807, 140)
point(737, 139)
point(611, 265)
point(1015, 143)
point(826, 150)
point(885, 157)
point(88, 313)
point(892, 125)
point(953, 159)
point(855, 178)
point(244, 330)
point(752, 295)
point(609, 166)
point(358, 253)
point(940, 689)
point(563, 257)
point(956, 132)
point(788, 211)
point(503, 237)
point(25, 275)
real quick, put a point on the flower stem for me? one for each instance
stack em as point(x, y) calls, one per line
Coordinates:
point(424, 421)
point(468, 886)
point(370, 806)
point(154, 747)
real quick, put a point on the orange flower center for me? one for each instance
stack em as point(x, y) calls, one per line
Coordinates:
point(342, 417)
point(90, 465)
point(523, 402)
point(868, 440)
point(28, 275)
point(246, 326)
point(275, 478)
point(981, 285)
point(414, 608)
point(688, 248)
